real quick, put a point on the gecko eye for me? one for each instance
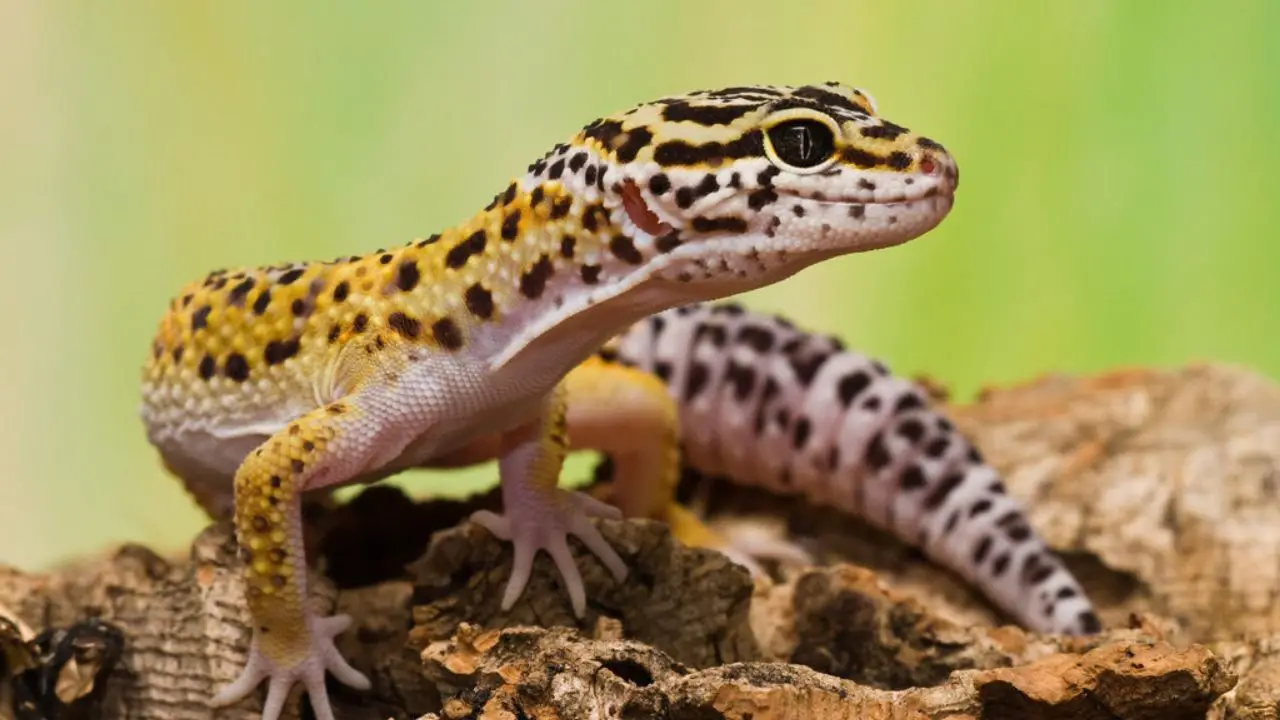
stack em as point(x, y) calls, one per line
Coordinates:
point(801, 145)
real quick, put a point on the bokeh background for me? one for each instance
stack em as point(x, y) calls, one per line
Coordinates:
point(1117, 206)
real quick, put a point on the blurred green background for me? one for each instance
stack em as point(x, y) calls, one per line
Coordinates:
point(1117, 204)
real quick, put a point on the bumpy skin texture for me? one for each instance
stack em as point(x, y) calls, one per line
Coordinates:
point(765, 403)
point(265, 383)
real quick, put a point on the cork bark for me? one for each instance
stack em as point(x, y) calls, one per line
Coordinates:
point(1160, 487)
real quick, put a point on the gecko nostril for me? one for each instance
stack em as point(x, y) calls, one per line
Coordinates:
point(927, 165)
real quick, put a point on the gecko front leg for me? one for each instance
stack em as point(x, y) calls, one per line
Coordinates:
point(539, 515)
point(290, 644)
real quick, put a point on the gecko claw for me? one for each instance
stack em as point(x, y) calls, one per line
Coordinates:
point(322, 656)
point(549, 529)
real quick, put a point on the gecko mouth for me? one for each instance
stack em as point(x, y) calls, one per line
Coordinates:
point(639, 212)
point(648, 221)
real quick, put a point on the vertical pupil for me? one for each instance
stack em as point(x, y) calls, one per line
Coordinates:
point(804, 143)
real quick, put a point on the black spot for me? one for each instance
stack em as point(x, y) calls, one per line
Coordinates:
point(871, 404)
point(340, 291)
point(578, 160)
point(826, 97)
point(928, 144)
point(806, 368)
point(911, 429)
point(386, 259)
point(480, 301)
point(1033, 567)
point(556, 169)
point(662, 369)
point(974, 456)
point(511, 226)
point(334, 332)
point(240, 291)
point(603, 130)
point(910, 401)
point(591, 274)
point(659, 184)
point(742, 378)
point(535, 197)
point(681, 110)
point(567, 244)
point(533, 282)
point(887, 131)
point(735, 181)
point(667, 243)
point(980, 552)
point(1000, 564)
point(861, 158)
point(938, 495)
point(299, 307)
point(952, 520)
point(207, 367)
point(798, 211)
point(290, 276)
point(278, 351)
point(899, 160)
point(681, 153)
point(177, 354)
point(260, 305)
point(359, 323)
point(1066, 593)
point(857, 211)
point(708, 185)
point(721, 224)
point(408, 275)
point(684, 198)
point(696, 380)
point(768, 393)
point(866, 184)
point(851, 386)
point(913, 478)
point(509, 195)
point(589, 221)
point(637, 139)
point(429, 240)
point(200, 318)
point(877, 456)
point(625, 250)
point(755, 337)
point(561, 207)
point(407, 326)
point(979, 507)
point(937, 447)
point(761, 198)
point(447, 333)
point(1089, 622)
point(460, 253)
point(800, 433)
point(236, 368)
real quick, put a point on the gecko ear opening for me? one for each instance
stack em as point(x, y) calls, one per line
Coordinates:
point(639, 211)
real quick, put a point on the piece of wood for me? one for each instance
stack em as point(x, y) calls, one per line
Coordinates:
point(1159, 486)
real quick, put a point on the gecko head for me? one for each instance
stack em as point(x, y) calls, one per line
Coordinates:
point(731, 189)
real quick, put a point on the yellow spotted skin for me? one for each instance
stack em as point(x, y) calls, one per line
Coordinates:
point(462, 345)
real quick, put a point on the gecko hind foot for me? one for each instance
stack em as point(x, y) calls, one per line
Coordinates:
point(531, 528)
point(310, 671)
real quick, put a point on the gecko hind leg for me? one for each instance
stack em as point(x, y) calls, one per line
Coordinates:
point(629, 415)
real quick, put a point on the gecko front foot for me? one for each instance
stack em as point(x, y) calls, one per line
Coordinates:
point(309, 669)
point(532, 526)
